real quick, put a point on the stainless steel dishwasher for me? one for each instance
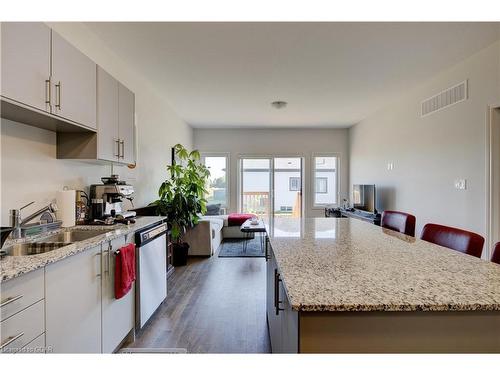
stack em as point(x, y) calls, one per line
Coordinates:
point(151, 281)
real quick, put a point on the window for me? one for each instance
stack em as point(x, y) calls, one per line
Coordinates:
point(217, 185)
point(325, 180)
point(294, 184)
point(321, 185)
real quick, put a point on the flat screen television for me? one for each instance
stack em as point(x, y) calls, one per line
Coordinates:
point(363, 198)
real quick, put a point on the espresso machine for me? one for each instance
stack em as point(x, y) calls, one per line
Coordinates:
point(109, 196)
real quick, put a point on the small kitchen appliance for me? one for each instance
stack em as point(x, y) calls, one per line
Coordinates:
point(112, 192)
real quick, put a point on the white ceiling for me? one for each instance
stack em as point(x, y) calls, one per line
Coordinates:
point(331, 74)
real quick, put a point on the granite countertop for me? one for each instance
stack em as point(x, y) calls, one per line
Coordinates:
point(330, 264)
point(15, 266)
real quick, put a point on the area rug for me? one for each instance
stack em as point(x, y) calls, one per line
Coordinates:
point(233, 248)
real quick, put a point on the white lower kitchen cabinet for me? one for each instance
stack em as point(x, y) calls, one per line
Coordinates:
point(83, 315)
point(73, 303)
point(22, 328)
point(117, 314)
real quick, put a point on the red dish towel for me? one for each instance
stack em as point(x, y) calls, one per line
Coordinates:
point(124, 270)
point(238, 219)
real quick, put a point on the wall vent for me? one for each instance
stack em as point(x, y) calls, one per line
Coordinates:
point(444, 99)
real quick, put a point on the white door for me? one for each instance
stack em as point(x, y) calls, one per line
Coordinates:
point(287, 187)
point(107, 116)
point(74, 83)
point(256, 187)
point(117, 314)
point(494, 182)
point(26, 63)
point(126, 117)
point(271, 187)
point(73, 303)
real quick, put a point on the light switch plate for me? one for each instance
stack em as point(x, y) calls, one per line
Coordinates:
point(390, 166)
point(461, 184)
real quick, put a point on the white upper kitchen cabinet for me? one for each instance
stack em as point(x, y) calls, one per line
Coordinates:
point(26, 63)
point(73, 303)
point(73, 83)
point(126, 117)
point(108, 143)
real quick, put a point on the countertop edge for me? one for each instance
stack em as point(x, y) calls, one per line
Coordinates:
point(78, 248)
point(395, 308)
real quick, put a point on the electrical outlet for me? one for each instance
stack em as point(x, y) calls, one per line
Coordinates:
point(390, 166)
point(461, 184)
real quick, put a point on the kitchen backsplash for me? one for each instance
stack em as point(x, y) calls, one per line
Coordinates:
point(30, 170)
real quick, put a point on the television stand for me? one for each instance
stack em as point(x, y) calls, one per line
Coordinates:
point(355, 214)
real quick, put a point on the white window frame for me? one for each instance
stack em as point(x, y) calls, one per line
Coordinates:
point(227, 155)
point(315, 155)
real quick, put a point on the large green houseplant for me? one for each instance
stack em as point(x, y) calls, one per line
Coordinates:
point(182, 197)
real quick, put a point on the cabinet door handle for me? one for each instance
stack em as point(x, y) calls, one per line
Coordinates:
point(48, 92)
point(58, 95)
point(99, 254)
point(122, 142)
point(117, 141)
point(277, 292)
point(108, 257)
point(10, 340)
point(9, 300)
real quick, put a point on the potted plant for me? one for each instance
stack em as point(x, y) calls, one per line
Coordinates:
point(182, 198)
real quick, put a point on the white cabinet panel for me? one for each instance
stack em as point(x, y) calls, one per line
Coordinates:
point(22, 328)
point(21, 292)
point(126, 110)
point(74, 83)
point(107, 116)
point(117, 314)
point(26, 63)
point(37, 346)
point(73, 303)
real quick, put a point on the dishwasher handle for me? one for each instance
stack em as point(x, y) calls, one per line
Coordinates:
point(150, 234)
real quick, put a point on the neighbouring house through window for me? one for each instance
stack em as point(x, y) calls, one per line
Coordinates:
point(321, 185)
point(325, 180)
point(294, 184)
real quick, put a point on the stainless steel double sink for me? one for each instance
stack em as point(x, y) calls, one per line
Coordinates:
point(52, 242)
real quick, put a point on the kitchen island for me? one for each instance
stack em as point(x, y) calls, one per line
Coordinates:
point(346, 286)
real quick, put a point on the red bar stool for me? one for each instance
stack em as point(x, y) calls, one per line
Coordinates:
point(399, 221)
point(495, 258)
point(453, 238)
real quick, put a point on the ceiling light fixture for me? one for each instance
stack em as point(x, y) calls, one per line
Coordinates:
point(278, 104)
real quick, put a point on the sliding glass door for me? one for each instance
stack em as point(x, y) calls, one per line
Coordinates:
point(287, 175)
point(256, 187)
point(271, 186)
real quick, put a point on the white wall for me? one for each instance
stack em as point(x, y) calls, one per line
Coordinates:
point(30, 170)
point(430, 153)
point(277, 142)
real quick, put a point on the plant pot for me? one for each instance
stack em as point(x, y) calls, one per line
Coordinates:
point(180, 253)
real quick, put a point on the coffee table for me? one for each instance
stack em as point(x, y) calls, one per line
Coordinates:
point(248, 228)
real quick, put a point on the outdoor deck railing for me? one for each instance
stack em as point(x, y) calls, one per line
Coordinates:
point(256, 202)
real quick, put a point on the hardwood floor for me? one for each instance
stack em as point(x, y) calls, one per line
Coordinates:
point(214, 305)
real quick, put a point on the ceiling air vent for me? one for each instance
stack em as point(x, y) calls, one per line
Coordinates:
point(444, 99)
